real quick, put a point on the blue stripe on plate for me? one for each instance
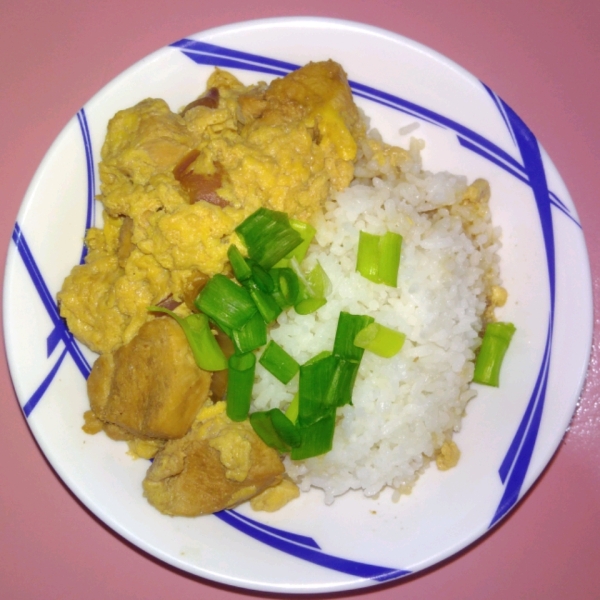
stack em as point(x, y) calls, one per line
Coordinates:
point(91, 184)
point(310, 554)
point(60, 331)
point(514, 467)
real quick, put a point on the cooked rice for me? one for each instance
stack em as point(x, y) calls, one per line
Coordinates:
point(406, 407)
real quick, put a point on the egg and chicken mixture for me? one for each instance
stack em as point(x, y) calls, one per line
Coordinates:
point(173, 186)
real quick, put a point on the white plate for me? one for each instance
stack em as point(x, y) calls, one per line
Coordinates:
point(509, 435)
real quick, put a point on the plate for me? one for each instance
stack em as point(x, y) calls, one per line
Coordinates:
point(509, 434)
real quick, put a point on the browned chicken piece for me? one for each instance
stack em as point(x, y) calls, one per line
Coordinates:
point(217, 465)
point(150, 387)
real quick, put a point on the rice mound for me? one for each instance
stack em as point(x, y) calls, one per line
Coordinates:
point(406, 407)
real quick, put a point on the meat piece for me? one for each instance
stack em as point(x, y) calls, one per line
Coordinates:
point(210, 99)
point(218, 465)
point(199, 186)
point(150, 387)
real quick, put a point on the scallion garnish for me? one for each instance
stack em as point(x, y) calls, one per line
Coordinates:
point(317, 438)
point(367, 260)
point(342, 383)
point(378, 257)
point(309, 305)
point(347, 328)
point(314, 388)
point(265, 303)
point(312, 288)
point(261, 277)
point(239, 385)
point(241, 269)
point(292, 410)
point(268, 236)
point(285, 286)
point(252, 335)
point(307, 232)
point(226, 303)
point(496, 340)
point(390, 248)
point(275, 429)
point(205, 348)
point(278, 362)
point(380, 340)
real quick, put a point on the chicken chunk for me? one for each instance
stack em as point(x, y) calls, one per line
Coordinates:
point(217, 465)
point(150, 387)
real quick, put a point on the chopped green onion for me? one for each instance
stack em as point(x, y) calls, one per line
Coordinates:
point(286, 286)
point(292, 410)
point(317, 438)
point(275, 429)
point(314, 388)
point(239, 385)
point(342, 383)
point(225, 302)
point(278, 362)
point(347, 328)
point(261, 277)
point(312, 288)
point(285, 428)
point(495, 343)
point(380, 340)
point(266, 304)
point(319, 282)
point(268, 236)
point(307, 232)
point(367, 260)
point(205, 348)
point(316, 357)
point(378, 257)
point(265, 429)
point(252, 335)
point(390, 248)
point(310, 305)
point(241, 269)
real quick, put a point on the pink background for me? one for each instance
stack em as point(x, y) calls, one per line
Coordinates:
point(540, 56)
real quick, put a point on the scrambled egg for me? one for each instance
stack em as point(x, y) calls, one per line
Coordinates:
point(175, 185)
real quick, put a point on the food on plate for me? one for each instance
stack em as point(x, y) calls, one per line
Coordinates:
point(287, 242)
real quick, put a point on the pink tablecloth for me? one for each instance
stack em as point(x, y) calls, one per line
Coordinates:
point(541, 56)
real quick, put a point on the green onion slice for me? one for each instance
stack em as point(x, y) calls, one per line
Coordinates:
point(265, 303)
point(268, 236)
point(380, 340)
point(241, 269)
point(314, 389)
point(342, 382)
point(226, 302)
point(496, 340)
point(347, 328)
point(310, 305)
point(252, 335)
point(205, 348)
point(286, 286)
point(292, 410)
point(275, 429)
point(307, 232)
point(367, 260)
point(390, 248)
point(278, 362)
point(317, 438)
point(378, 257)
point(239, 385)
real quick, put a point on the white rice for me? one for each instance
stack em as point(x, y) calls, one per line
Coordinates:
point(406, 407)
